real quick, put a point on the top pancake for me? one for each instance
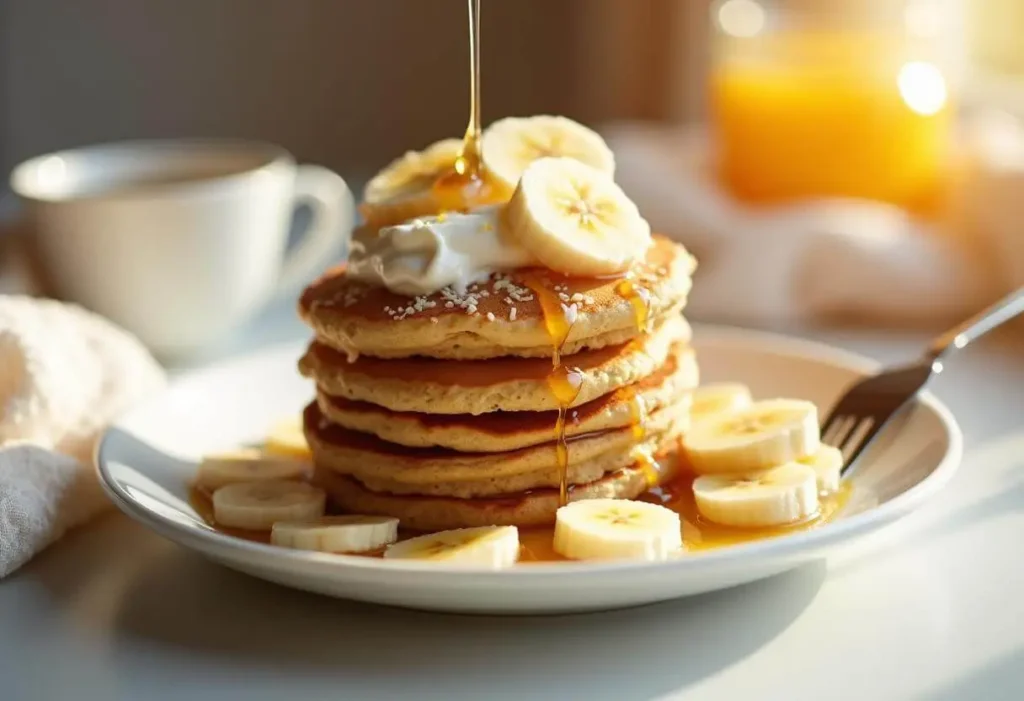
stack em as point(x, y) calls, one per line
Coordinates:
point(499, 317)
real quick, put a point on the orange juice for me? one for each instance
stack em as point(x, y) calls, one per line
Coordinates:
point(807, 114)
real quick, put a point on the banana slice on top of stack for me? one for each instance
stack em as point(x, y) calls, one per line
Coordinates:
point(555, 178)
point(512, 144)
point(403, 190)
point(759, 464)
point(407, 187)
point(574, 218)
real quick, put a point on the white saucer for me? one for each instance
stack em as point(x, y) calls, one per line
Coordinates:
point(147, 459)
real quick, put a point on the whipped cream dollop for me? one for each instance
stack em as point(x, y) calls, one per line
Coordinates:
point(427, 254)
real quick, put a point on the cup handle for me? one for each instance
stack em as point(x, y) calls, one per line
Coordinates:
point(333, 214)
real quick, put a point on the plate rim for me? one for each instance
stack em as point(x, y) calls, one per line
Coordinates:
point(687, 564)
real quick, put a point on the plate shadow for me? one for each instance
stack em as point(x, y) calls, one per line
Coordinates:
point(188, 606)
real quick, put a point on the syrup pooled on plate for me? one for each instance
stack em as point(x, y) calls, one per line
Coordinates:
point(677, 495)
point(699, 534)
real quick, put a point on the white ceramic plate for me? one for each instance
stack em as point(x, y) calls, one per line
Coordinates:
point(147, 459)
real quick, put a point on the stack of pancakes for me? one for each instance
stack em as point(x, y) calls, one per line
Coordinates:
point(437, 409)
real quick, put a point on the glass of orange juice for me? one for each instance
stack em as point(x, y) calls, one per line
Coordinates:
point(832, 98)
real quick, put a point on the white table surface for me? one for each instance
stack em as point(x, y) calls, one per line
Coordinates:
point(114, 612)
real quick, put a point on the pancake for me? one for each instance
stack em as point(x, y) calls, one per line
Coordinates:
point(498, 317)
point(511, 430)
point(534, 508)
point(435, 386)
point(384, 466)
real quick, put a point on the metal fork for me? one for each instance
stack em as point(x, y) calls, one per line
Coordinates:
point(868, 405)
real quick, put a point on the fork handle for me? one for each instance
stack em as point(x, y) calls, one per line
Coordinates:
point(978, 325)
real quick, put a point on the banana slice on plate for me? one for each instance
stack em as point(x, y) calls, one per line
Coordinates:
point(604, 529)
point(783, 495)
point(287, 438)
point(248, 465)
point(336, 534)
point(403, 190)
point(574, 219)
point(826, 463)
point(761, 436)
point(492, 547)
point(257, 506)
point(719, 398)
point(510, 145)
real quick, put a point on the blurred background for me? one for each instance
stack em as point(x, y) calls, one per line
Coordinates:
point(349, 83)
point(801, 132)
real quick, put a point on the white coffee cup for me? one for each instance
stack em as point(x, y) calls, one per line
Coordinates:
point(179, 241)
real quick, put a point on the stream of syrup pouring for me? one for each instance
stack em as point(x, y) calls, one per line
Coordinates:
point(467, 184)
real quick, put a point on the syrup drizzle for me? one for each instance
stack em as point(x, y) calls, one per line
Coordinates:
point(565, 382)
point(467, 185)
point(638, 411)
point(470, 160)
point(642, 456)
point(639, 298)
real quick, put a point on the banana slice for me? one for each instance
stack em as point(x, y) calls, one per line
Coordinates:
point(574, 219)
point(510, 145)
point(763, 435)
point(493, 547)
point(719, 398)
point(287, 438)
point(336, 534)
point(404, 189)
point(248, 465)
point(776, 497)
point(257, 506)
point(602, 529)
point(826, 463)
